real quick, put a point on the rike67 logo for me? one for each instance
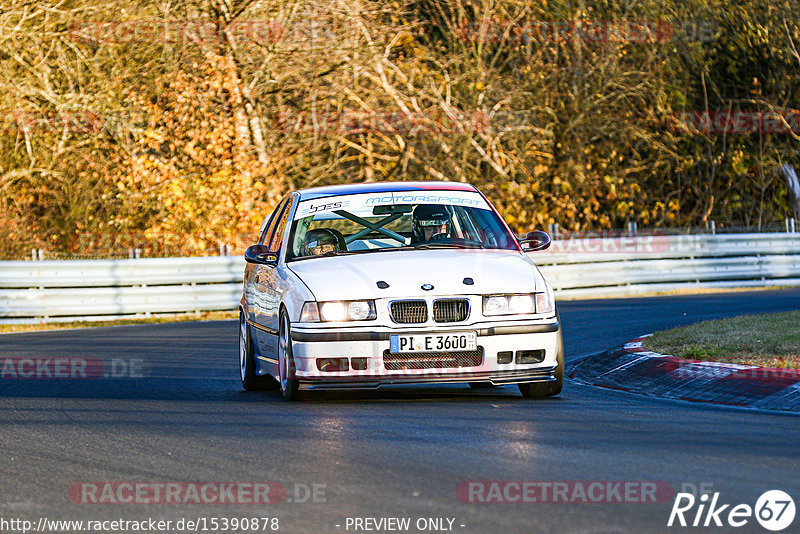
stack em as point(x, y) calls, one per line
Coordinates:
point(774, 510)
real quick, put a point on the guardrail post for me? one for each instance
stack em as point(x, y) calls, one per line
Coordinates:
point(790, 225)
point(632, 229)
point(553, 231)
point(40, 253)
point(712, 227)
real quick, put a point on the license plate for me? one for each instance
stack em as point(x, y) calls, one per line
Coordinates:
point(433, 342)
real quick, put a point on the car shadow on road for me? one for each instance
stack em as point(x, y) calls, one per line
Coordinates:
point(229, 390)
point(436, 393)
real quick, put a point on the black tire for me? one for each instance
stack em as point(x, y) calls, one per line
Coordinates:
point(537, 390)
point(247, 362)
point(289, 386)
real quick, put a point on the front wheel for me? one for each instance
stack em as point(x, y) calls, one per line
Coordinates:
point(289, 385)
point(535, 390)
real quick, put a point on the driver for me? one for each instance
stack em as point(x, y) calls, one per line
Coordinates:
point(320, 241)
point(431, 220)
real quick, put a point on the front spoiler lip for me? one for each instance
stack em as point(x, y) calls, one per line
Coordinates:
point(496, 378)
point(338, 335)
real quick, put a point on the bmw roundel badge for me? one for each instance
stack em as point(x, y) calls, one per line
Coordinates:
point(427, 287)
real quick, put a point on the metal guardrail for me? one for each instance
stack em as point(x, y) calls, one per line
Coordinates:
point(45, 291)
point(627, 266)
point(51, 291)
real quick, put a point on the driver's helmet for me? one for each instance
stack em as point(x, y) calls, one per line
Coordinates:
point(430, 220)
point(319, 241)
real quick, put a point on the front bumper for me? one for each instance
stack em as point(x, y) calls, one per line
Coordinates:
point(310, 343)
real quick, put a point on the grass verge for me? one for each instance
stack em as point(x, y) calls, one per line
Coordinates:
point(167, 318)
point(765, 340)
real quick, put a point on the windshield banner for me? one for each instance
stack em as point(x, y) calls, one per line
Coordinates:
point(364, 203)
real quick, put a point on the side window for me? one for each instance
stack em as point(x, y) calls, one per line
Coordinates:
point(277, 236)
point(272, 221)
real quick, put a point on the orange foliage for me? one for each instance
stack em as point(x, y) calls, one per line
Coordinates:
point(189, 182)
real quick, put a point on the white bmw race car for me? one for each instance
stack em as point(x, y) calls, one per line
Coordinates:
point(358, 286)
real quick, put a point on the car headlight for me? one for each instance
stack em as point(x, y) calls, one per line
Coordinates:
point(509, 304)
point(338, 311)
point(522, 304)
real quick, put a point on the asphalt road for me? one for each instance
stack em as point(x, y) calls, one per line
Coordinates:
point(398, 452)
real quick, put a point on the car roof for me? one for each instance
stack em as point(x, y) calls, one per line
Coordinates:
point(381, 187)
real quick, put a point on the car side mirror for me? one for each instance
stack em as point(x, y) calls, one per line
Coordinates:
point(261, 255)
point(536, 240)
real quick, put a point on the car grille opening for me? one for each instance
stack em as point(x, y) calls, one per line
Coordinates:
point(409, 311)
point(432, 360)
point(450, 310)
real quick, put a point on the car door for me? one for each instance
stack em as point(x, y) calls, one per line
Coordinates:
point(253, 286)
point(269, 285)
point(275, 275)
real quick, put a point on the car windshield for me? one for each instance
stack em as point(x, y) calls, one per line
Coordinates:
point(385, 222)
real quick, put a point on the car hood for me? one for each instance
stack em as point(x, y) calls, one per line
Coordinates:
point(355, 276)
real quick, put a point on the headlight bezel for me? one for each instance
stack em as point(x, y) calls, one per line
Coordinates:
point(338, 311)
point(549, 300)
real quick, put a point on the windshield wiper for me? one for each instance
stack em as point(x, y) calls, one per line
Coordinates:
point(429, 246)
point(420, 246)
point(424, 246)
point(386, 249)
point(335, 253)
